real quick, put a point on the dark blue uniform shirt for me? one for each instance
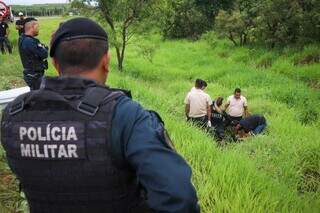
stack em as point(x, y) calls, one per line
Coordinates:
point(34, 47)
point(31, 51)
point(252, 122)
point(161, 171)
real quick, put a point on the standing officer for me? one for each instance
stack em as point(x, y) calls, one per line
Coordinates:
point(198, 105)
point(33, 54)
point(4, 33)
point(20, 24)
point(80, 147)
point(236, 106)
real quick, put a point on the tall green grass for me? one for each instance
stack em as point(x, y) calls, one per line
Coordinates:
point(277, 172)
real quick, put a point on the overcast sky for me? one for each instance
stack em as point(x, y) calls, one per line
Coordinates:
point(21, 2)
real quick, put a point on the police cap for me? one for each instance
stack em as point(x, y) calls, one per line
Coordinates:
point(77, 28)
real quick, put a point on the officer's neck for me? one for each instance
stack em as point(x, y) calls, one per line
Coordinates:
point(29, 34)
point(91, 76)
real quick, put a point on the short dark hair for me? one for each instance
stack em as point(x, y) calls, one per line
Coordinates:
point(200, 83)
point(80, 55)
point(237, 90)
point(219, 101)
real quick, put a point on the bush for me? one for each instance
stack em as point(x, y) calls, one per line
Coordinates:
point(184, 20)
point(265, 61)
point(211, 39)
point(310, 55)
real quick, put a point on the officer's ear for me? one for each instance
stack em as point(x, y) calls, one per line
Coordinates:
point(56, 66)
point(105, 62)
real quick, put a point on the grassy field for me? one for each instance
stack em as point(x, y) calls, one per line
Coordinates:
point(277, 172)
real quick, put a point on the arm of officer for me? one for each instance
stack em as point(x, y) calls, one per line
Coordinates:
point(187, 105)
point(163, 173)
point(7, 30)
point(36, 48)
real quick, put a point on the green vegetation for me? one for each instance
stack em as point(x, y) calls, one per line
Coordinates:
point(277, 172)
point(41, 9)
point(272, 23)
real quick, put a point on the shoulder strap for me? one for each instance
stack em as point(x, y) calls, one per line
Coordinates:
point(89, 105)
point(17, 105)
point(95, 97)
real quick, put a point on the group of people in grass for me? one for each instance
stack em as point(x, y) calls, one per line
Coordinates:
point(219, 117)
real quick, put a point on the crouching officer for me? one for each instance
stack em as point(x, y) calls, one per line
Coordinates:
point(33, 54)
point(77, 146)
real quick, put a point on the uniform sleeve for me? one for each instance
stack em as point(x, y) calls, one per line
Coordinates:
point(245, 103)
point(36, 48)
point(209, 100)
point(229, 100)
point(163, 173)
point(187, 100)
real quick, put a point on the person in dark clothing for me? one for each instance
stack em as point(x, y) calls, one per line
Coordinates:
point(20, 24)
point(33, 54)
point(78, 146)
point(254, 124)
point(4, 33)
point(218, 119)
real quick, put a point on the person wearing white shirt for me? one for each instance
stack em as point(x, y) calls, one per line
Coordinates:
point(237, 106)
point(198, 105)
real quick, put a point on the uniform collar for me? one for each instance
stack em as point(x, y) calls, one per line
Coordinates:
point(67, 83)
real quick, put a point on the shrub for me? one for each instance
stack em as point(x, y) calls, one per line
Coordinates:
point(184, 20)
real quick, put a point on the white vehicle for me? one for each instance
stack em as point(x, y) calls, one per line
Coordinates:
point(9, 95)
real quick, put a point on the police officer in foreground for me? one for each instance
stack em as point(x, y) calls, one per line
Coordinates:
point(33, 54)
point(77, 146)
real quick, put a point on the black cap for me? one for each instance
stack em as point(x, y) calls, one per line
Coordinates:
point(77, 28)
point(29, 19)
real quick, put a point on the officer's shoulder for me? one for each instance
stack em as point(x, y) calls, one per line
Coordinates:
point(28, 40)
point(17, 103)
point(129, 108)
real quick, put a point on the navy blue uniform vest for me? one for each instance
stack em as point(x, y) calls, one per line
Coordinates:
point(58, 146)
point(31, 63)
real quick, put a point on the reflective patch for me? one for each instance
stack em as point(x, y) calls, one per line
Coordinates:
point(50, 141)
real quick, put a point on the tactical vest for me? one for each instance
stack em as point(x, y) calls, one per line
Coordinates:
point(59, 148)
point(31, 63)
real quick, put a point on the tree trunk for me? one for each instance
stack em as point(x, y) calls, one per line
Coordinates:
point(232, 39)
point(119, 58)
point(121, 50)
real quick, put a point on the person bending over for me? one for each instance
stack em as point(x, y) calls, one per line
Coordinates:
point(252, 125)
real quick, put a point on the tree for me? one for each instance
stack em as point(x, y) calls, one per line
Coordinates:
point(234, 26)
point(271, 22)
point(183, 19)
point(211, 8)
point(123, 17)
point(279, 22)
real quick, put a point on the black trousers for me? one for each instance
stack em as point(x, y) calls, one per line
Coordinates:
point(33, 79)
point(200, 122)
point(5, 44)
